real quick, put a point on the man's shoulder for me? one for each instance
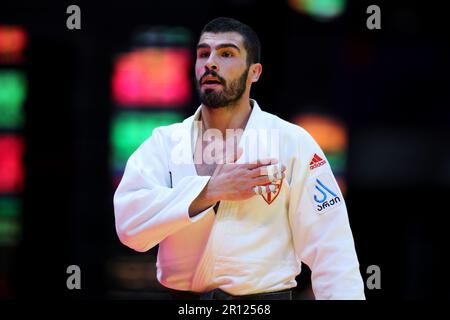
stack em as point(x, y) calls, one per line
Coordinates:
point(285, 127)
point(170, 129)
point(163, 135)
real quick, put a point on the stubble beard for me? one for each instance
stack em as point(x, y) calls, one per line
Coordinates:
point(226, 97)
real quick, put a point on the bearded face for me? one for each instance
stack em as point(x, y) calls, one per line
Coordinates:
point(217, 92)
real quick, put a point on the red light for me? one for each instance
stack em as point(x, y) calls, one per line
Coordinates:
point(152, 77)
point(12, 43)
point(11, 168)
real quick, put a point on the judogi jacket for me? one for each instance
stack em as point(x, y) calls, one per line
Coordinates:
point(247, 247)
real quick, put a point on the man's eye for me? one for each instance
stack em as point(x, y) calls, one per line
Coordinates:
point(203, 55)
point(226, 54)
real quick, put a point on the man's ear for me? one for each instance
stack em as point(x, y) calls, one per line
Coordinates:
point(255, 71)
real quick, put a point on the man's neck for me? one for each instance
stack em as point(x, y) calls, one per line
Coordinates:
point(229, 117)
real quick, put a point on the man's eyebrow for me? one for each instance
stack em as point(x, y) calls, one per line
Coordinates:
point(220, 46)
point(202, 46)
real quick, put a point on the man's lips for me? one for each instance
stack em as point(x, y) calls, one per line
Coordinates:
point(211, 85)
point(211, 81)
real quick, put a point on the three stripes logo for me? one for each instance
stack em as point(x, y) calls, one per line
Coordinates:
point(316, 162)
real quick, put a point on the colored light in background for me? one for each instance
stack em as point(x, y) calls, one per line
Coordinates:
point(342, 183)
point(130, 129)
point(161, 36)
point(134, 272)
point(13, 40)
point(338, 160)
point(152, 77)
point(10, 208)
point(330, 133)
point(13, 91)
point(320, 9)
point(150, 84)
point(11, 169)
point(12, 97)
point(332, 136)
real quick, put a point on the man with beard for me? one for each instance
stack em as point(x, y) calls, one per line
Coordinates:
point(235, 214)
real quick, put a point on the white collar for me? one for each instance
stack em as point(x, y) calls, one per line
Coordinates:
point(255, 110)
point(252, 123)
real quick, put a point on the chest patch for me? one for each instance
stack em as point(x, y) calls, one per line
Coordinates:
point(324, 193)
point(270, 196)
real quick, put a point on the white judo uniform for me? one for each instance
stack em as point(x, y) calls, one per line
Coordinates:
point(250, 246)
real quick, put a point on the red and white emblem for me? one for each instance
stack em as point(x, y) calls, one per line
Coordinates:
point(269, 196)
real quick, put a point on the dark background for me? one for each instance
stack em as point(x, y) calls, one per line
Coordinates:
point(391, 87)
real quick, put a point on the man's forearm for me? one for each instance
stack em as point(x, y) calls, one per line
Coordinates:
point(204, 200)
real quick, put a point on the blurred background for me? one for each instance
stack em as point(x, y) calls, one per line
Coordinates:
point(74, 104)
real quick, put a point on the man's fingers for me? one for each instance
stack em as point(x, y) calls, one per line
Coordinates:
point(271, 169)
point(276, 177)
point(261, 180)
point(265, 189)
point(275, 171)
point(262, 162)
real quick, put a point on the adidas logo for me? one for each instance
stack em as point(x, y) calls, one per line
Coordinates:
point(316, 162)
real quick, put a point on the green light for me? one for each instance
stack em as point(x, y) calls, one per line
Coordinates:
point(130, 129)
point(337, 161)
point(163, 36)
point(10, 209)
point(12, 97)
point(321, 9)
point(9, 232)
point(325, 8)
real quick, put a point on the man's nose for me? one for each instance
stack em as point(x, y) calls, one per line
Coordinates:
point(211, 65)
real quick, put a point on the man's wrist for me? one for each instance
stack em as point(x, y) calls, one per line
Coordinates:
point(207, 198)
point(211, 193)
